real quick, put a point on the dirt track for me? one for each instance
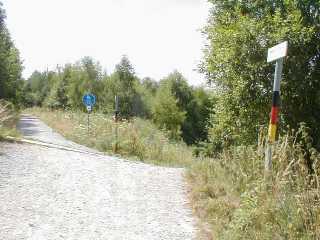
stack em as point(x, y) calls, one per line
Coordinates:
point(47, 193)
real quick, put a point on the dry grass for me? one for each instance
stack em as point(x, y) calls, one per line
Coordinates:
point(8, 120)
point(229, 192)
point(137, 139)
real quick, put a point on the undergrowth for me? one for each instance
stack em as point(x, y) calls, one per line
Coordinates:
point(229, 191)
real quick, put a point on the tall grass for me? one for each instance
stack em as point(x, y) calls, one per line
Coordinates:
point(8, 119)
point(138, 139)
point(230, 193)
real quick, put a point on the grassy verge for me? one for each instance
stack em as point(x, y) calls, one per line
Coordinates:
point(230, 193)
point(138, 139)
point(227, 192)
point(8, 120)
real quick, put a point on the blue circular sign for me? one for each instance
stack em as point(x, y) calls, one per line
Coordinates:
point(89, 100)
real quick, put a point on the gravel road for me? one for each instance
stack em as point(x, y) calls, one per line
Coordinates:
point(47, 193)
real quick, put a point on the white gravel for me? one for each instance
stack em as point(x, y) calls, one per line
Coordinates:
point(47, 193)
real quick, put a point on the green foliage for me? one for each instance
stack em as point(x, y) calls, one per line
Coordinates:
point(37, 88)
point(84, 77)
point(239, 34)
point(230, 190)
point(123, 84)
point(166, 112)
point(172, 104)
point(54, 98)
point(195, 102)
point(65, 87)
point(10, 65)
point(147, 91)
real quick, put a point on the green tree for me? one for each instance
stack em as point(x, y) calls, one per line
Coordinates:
point(195, 103)
point(10, 64)
point(123, 84)
point(150, 84)
point(147, 91)
point(57, 97)
point(201, 109)
point(239, 34)
point(83, 77)
point(37, 88)
point(166, 112)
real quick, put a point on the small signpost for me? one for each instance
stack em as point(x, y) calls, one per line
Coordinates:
point(89, 100)
point(116, 118)
point(276, 53)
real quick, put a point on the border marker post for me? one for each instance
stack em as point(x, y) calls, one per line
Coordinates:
point(276, 53)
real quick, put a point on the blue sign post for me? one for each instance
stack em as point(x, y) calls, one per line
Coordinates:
point(89, 100)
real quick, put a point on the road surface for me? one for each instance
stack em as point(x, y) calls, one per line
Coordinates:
point(49, 193)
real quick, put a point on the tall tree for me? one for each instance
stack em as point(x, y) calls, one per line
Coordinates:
point(195, 103)
point(37, 88)
point(166, 112)
point(10, 64)
point(147, 91)
point(123, 82)
point(57, 97)
point(83, 77)
point(239, 34)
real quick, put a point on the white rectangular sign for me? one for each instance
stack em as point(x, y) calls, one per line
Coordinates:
point(278, 51)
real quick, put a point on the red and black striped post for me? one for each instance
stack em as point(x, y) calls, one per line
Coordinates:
point(274, 117)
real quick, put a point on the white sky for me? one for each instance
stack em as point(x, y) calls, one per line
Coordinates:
point(157, 35)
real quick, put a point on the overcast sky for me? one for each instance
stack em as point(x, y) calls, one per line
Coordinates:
point(157, 35)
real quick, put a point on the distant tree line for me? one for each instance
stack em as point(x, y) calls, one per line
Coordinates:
point(171, 103)
point(239, 34)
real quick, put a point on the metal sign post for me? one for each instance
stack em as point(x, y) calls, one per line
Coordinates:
point(89, 100)
point(89, 109)
point(277, 53)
